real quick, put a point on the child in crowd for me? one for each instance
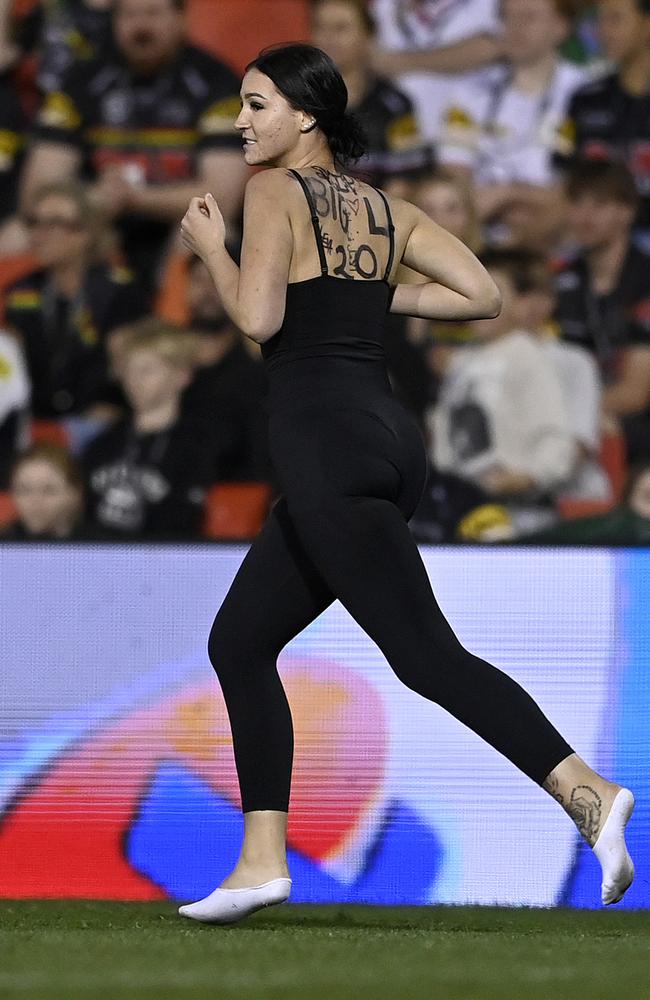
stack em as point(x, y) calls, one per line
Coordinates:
point(578, 373)
point(47, 491)
point(501, 421)
point(147, 474)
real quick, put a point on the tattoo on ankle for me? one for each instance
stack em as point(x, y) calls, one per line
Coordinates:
point(552, 786)
point(585, 809)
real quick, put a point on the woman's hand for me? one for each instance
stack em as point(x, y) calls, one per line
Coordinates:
point(203, 229)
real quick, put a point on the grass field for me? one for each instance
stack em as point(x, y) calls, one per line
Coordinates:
point(68, 949)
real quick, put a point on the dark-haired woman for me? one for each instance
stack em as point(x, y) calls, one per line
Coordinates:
point(320, 251)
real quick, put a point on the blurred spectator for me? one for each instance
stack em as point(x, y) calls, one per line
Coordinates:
point(47, 490)
point(577, 371)
point(452, 509)
point(228, 387)
point(501, 134)
point(345, 29)
point(63, 311)
point(500, 421)
point(12, 127)
point(603, 294)
point(626, 524)
point(14, 402)
point(415, 347)
point(150, 124)
point(430, 44)
point(610, 118)
point(147, 474)
point(9, 50)
point(61, 33)
point(449, 200)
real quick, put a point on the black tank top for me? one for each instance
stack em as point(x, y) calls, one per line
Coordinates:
point(334, 327)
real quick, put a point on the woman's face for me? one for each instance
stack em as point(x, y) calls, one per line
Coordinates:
point(443, 203)
point(270, 128)
point(57, 231)
point(46, 503)
point(640, 496)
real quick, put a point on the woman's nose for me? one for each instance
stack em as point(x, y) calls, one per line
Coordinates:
point(242, 120)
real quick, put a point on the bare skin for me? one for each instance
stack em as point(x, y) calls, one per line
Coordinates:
point(264, 851)
point(279, 136)
point(583, 794)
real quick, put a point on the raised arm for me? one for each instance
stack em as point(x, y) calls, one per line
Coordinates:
point(254, 295)
point(458, 57)
point(459, 287)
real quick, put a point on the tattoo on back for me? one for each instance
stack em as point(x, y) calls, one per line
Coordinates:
point(585, 807)
point(337, 197)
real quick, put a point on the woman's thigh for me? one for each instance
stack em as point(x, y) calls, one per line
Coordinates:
point(276, 592)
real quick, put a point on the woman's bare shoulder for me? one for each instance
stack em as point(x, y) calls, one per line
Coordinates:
point(271, 179)
point(404, 212)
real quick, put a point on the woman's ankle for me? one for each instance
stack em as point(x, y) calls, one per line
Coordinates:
point(583, 794)
point(246, 875)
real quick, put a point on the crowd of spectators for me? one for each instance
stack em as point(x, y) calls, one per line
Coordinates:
point(128, 398)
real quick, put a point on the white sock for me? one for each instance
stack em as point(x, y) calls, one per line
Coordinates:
point(225, 906)
point(611, 850)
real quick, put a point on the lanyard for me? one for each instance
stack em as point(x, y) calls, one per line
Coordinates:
point(498, 94)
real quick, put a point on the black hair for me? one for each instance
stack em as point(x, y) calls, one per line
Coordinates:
point(609, 179)
point(309, 80)
point(527, 270)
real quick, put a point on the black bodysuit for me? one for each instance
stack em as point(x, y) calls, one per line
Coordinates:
point(351, 462)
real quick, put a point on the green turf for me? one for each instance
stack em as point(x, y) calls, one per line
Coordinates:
point(69, 949)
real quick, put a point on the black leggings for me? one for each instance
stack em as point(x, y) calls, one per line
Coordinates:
point(358, 549)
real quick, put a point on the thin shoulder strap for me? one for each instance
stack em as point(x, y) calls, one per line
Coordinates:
point(391, 233)
point(314, 220)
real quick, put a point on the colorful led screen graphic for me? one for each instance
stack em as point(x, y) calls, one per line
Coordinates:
point(117, 778)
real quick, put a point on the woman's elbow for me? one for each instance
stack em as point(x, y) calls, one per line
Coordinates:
point(491, 301)
point(259, 330)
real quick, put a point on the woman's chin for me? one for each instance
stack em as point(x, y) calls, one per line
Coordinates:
point(254, 158)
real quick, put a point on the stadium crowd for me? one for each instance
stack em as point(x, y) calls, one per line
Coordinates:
point(130, 407)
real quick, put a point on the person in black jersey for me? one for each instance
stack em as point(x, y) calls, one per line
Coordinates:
point(319, 255)
point(395, 150)
point(609, 118)
point(149, 123)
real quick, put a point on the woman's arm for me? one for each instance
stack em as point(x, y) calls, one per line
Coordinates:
point(254, 296)
point(459, 287)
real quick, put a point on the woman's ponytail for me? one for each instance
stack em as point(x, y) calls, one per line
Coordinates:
point(347, 139)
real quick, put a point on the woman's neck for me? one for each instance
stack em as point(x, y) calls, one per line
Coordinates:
point(535, 77)
point(157, 418)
